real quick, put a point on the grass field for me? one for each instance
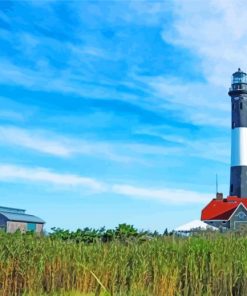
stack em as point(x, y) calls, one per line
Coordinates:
point(214, 264)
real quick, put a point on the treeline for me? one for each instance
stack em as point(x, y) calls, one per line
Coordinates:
point(123, 232)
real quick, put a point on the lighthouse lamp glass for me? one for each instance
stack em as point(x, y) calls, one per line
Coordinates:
point(239, 77)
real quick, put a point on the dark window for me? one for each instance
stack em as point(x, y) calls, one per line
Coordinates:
point(241, 105)
point(233, 124)
point(231, 188)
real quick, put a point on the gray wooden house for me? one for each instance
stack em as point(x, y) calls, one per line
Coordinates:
point(12, 219)
point(226, 213)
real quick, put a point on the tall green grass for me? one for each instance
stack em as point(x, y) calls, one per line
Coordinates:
point(203, 265)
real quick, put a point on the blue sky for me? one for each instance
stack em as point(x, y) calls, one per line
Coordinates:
point(116, 111)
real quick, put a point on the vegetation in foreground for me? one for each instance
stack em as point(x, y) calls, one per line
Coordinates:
point(209, 264)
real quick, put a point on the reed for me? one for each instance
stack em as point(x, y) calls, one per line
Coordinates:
point(198, 265)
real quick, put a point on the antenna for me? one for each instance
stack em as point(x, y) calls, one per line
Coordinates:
point(216, 184)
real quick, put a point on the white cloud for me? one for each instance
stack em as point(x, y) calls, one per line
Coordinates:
point(212, 149)
point(46, 78)
point(41, 175)
point(33, 140)
point(36, 175)
point(215, 31)
point(190, 94)
point(195, 102)
point(206, 146)
point(50, 143)
point(54, 144)
point(81, 52)
point(166, 195)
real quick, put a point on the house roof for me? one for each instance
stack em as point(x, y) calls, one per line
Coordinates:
point(12, 210)
point(222, 209)
point(195, 224)
point(21, 217)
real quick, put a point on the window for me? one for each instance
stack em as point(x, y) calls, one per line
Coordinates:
point(241, 215)
point(241, 105)
point(233, 124)
point(31, 227)
point(233, 106)
point(231, 188)
point(239, 77)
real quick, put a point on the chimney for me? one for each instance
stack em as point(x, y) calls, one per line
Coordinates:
point(219, 196)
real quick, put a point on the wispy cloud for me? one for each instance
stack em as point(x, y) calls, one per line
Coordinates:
point(50, 143)
point(47, 142)
point(164, 195)
point(33, 140)
point(41, 175)
point(201, 29)
point(43, 77)
point(54, 144)
point(194, 102)
point(215, 31)
point(207, 147)
point(47, 177)
point(190, 94)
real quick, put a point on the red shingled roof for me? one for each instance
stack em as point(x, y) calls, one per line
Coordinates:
point(222, 209)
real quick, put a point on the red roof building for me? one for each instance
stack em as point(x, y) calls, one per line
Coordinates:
point(225, 212)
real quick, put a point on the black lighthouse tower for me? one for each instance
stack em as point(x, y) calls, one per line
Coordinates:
point(238, 94)
point(231, 212)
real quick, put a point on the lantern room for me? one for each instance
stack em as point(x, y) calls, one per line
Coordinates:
point(239, 77)
point(239, 84)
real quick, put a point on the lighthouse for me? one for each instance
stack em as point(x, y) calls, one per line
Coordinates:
point(238, 94)
point(231, 212)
